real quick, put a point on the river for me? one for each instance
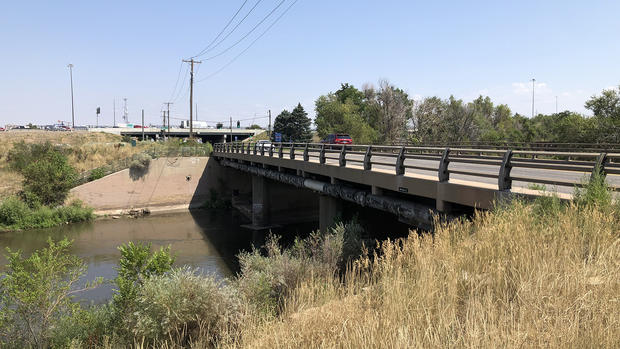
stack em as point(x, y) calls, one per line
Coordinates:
point(206, 240)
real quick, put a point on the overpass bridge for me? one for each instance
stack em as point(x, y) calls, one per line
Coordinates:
point(413, 183)
point(211, 135)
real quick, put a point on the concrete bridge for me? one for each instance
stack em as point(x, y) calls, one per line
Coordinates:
point(211, 135)
point(412, 183)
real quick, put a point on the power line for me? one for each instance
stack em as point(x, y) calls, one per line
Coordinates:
point(226, 27)
point(249, 46)
point(248, 33)
point(182, 84)
point(177, 82)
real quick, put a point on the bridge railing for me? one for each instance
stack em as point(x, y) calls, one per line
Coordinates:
point(504, 165)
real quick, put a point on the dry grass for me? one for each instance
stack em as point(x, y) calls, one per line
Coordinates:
point(507, 279)
point(88, 151)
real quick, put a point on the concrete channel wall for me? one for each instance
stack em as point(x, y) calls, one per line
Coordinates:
point(168, 184)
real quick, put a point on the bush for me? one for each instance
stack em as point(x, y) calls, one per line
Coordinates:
point(36, 291)
point(139, 166)
point(136, 265)
point(15, 214)
point(49, 178)
point(202, 307)
point(595, 192)
point(266, 281)
point(97, 173)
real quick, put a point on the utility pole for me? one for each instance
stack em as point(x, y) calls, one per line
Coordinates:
point(142, 125)
point(168, 104)
point(191, 94)
point(72, 107)
point(269, 128)
point(231, 138)
point(114, 107)
point(533, 86)
point(125, 112)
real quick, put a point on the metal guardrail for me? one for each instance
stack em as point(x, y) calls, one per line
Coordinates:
point(535, 146)
point(495, 163)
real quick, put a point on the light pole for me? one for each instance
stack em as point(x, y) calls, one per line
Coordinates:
point(533, 86)
point(72, 107)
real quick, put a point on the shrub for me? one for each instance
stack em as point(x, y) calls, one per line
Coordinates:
point(266, 281)
point(136, 265)
point(97, 173)
point(15, 214)
point(36, 291)
point(49, 178)
point(183, 305)
point(595, 191)
point(139, 166)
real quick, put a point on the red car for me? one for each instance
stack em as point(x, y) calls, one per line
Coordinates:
point(140, 126)
point(1, 129)
point(338, 138)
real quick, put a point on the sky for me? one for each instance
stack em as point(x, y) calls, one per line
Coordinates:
point(134, 50)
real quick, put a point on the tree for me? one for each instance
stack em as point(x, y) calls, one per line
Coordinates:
point(606, 109)
point(48, 179)
point(335, 116)
point(294, 126)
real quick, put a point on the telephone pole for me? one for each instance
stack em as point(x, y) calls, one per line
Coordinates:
point(269, 128)
point(231, 138)
point(191, 94)
point(167, 104)
point(533, 86)
point(72, 107)
point(114, 107)
point(142, 126)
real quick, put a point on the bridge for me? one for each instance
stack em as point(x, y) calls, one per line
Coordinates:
point(413, 183)
point(211, 135)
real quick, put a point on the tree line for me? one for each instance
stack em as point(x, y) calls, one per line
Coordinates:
point(386, 115)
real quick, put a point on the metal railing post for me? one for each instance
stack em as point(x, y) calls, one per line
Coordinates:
point(306, 154)
point(280, 151)
point(242, 148)
point(342, 161)
point(443, 173)
point(271, 150)
point(400, 162)
point(255, 148)
point(322, 154)
point(262, 149)
point(367, 159)
point(599, 166)
point(504, 182)
point(292, 151)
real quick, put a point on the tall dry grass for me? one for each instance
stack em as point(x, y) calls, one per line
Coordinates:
point(512, 278)
point(85, 151)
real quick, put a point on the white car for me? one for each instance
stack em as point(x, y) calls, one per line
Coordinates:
point(264, 142)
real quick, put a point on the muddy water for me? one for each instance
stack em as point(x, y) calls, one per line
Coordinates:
point(207, 240)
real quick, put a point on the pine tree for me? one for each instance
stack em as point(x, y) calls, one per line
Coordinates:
point(294, 126)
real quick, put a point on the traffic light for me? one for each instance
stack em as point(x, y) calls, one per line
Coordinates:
point(238, 124)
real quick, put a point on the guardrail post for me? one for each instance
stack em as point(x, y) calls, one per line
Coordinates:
point(599, 166)
point(306, 154)
point(367, 158)
point(400, 162)
point(342, 161)
point(242, 148)
point(262, 149)
point(322, 154)
point(280, 154)
point(271, 150)
point(255, 148)
point(292, 151)
point(504, 182)
point(443, 173)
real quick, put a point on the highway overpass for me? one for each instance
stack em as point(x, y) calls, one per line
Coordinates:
point(413, 183)
point(211, 135)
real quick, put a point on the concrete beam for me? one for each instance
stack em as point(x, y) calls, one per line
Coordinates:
point(330, 209)
point(260, 201)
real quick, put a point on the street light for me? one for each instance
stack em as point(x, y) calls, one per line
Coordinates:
point(72, 107)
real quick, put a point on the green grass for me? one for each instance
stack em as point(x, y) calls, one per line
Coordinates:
point(17, 215)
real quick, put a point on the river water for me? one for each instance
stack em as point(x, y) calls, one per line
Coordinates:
point(206, 240)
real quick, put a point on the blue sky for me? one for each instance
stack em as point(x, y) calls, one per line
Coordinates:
point(133, 49)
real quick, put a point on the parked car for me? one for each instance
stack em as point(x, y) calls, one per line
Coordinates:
point(1, 128)
point(337, 138)
point(140, 126)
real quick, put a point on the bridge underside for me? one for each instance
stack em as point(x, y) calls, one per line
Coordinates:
point(292, 192)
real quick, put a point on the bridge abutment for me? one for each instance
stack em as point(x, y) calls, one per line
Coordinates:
point(261, 202)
